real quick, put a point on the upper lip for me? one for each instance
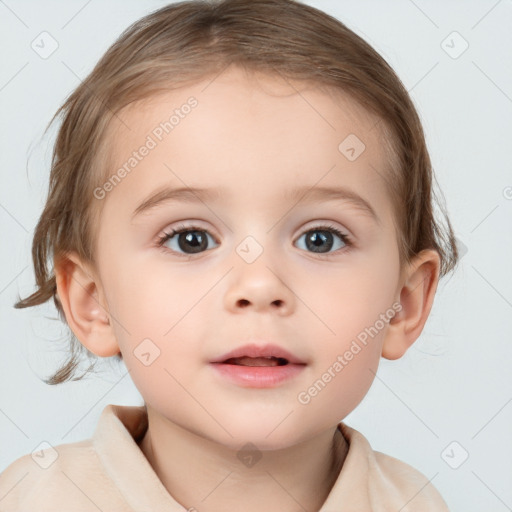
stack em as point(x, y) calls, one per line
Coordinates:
point(253, 350)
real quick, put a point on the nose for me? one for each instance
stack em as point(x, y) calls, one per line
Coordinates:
point(257, 287)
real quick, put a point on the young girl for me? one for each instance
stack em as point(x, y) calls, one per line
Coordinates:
point(198, 173)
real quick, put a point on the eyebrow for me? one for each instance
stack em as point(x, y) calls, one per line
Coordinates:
point(311, 194)
point(184, 194)
point(306, 194)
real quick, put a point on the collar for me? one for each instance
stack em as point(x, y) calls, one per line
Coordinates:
point(128, 467)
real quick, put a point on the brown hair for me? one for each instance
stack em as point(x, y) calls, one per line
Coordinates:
point(187, 41)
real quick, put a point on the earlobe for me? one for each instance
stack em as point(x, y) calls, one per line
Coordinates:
point(84, 305)
point(416, 297)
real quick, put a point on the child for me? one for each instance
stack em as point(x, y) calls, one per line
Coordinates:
point(197, 173)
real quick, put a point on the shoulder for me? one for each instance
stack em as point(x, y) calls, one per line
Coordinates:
point(408, 483)
point(55, 476)
point(389, 482)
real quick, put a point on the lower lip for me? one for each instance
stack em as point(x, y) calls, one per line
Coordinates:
point(258, 376)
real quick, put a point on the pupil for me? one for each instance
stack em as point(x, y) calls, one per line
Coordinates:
point(316, 240)
point(194, 239)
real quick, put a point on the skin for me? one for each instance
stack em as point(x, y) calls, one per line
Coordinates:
point(257, 139)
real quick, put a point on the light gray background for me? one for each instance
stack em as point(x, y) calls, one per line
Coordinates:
point(454, 384)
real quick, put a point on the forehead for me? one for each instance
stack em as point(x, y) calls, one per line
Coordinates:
point(254, 136)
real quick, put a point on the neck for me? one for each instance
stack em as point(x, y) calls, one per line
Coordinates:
point(203, 475)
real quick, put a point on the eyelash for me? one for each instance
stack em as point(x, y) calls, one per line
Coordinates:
point(345, 238)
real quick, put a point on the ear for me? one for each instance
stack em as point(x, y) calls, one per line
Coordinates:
point(81, 295)
point(417, 291)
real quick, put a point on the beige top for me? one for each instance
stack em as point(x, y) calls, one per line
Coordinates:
point(109, 472)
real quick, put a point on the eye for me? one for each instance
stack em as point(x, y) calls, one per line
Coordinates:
point(190, 239)
point(320, 239)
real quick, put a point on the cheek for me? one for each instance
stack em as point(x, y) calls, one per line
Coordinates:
point(345, 367)
point(353, 307)
point(155, 334)
point(348, 299)
point(156, 314)
point(149, 299)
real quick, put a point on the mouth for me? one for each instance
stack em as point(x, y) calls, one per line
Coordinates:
point(258, 366)
point(257, 361)
point(259, 355)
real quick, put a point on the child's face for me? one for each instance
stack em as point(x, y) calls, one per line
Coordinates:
point(252, 149)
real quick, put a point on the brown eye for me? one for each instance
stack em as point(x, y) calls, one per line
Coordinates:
point(186, 240)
